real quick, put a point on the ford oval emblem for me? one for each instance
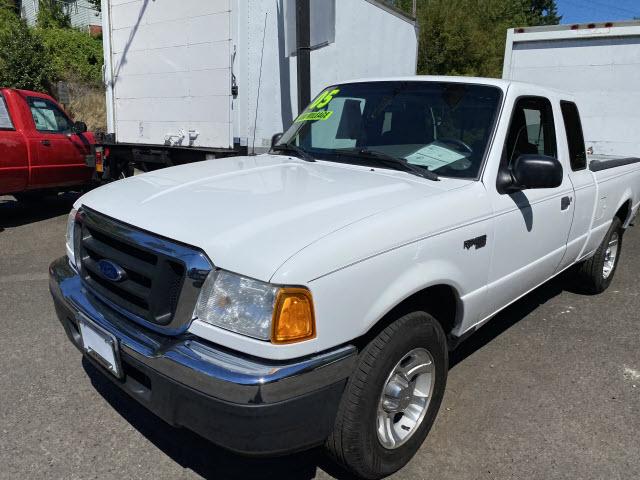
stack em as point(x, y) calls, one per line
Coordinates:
point(111, 271)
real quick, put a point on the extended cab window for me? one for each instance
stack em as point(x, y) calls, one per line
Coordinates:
point(48, 117)
point(532, 130)
point(5, 118)
point(575, 137)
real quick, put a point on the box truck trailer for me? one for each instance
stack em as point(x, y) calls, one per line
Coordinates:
point(599, 63)
point(202, 79)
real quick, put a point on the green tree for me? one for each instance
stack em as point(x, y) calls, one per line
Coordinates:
point(24, 62)
point(467, 37)
point(542, 12)
point(52, 15)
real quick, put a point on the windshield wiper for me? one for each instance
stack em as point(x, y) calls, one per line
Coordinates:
point(291, 148)
point(400, 162)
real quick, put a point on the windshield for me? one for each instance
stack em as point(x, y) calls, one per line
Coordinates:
point(438, 126)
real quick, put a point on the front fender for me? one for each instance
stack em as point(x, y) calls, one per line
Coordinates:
point(360, 273)
point(351, 301)
point(435, 272)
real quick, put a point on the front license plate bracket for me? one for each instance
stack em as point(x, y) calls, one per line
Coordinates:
point(100, 345)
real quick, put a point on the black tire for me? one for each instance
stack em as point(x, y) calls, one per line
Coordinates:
point(125, 170)
point(31, 197)
point(354, 443)
point(590, 275)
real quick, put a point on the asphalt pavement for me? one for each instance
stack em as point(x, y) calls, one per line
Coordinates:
point(550, 389)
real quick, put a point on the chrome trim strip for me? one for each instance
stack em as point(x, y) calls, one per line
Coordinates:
point(204, 367)
point(197, 267)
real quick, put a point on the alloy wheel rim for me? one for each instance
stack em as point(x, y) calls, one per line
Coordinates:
point(405, 398)
point(610, 256)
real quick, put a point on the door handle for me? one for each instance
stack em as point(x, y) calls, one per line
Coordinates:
point(46, 143)
point(565, 203)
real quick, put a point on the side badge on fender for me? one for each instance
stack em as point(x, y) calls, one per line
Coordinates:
point(478, 242)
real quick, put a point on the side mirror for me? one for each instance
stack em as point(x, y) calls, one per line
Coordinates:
point(275, 139)
point(79, 127)
point(530, 172)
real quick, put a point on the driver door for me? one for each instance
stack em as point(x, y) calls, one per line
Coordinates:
point(61, 154)
point(532, 226)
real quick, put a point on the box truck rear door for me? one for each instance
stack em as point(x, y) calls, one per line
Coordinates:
point(171, 72)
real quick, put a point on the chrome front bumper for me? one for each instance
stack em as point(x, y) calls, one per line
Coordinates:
point(213, 374)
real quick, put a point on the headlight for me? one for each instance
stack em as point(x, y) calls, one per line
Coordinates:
point(71, 224)
point(256, 309)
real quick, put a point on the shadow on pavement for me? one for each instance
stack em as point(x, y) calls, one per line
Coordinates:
point(16, 214)
point(193, 452)
point(511, 316)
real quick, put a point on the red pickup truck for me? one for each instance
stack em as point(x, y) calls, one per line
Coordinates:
point(41, 149)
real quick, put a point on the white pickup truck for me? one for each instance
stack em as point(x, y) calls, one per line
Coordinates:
point(311, 295)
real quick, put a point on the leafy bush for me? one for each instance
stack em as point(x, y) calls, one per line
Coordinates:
point(52, 15)
point(24, 61)
point(74, 54)
point(36, 58)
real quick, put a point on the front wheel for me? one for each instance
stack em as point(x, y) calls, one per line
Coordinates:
point(392, 398)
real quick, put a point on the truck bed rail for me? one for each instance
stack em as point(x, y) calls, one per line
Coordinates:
point(599, 165)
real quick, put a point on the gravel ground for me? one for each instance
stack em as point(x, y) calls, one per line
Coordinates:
point(549, 389)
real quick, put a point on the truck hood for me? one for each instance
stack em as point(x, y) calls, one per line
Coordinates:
point(251, 214)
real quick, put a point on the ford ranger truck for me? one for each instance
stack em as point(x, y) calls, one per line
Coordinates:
point(41, 149)
point(310, 296)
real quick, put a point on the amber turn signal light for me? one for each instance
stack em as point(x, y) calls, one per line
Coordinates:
point(293, 316)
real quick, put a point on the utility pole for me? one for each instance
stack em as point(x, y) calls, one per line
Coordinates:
point(303, 37)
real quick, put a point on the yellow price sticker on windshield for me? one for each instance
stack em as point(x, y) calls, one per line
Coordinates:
point(321, 102)
point(313, 116)
point(324, 99)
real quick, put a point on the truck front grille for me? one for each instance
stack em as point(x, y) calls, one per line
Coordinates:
point(160, 280)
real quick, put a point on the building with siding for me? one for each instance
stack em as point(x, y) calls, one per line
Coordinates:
point(81, 13)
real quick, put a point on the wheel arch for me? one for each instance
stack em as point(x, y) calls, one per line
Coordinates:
point(441, 300)
point(624, 211)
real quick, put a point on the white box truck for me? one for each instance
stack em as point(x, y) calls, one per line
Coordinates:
point(599, 63)
point(198, 79)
